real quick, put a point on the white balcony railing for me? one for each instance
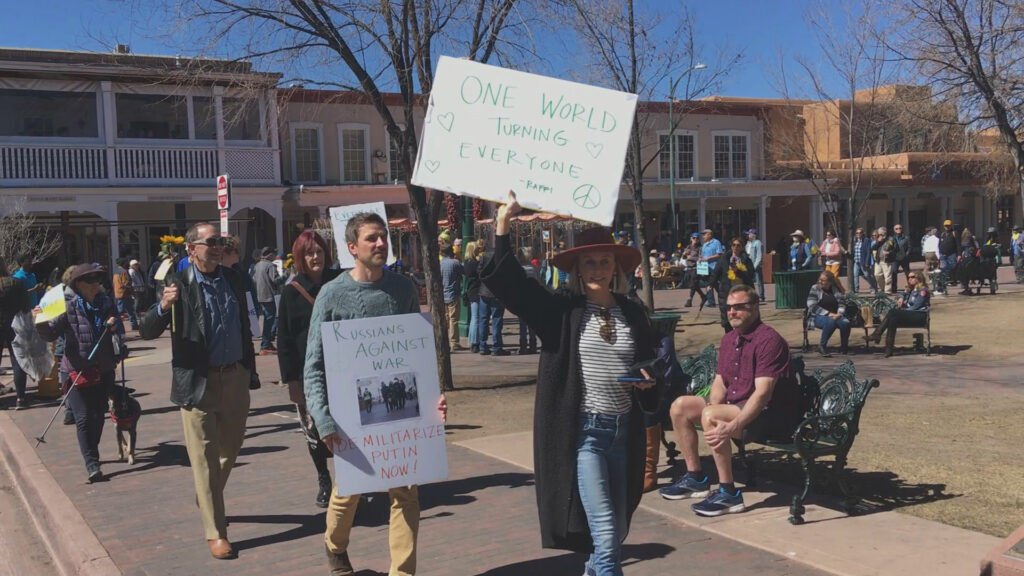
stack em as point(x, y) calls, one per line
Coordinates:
point(62, 165)
point(52, 163)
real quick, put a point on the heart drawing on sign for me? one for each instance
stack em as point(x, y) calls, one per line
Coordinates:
point(432, 165)
point(594, 148)
point(446, 120)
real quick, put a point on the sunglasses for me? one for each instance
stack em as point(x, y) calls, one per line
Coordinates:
point(91, 279)
point(608, 328)
point(212, 242)
point(740, 307)
point(737, 244)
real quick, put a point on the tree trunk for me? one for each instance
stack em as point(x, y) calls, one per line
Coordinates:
point(647, 290)
point(426, 223)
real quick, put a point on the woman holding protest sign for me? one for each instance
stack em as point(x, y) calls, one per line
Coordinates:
point(589, 444)
point(89, 327)
point(312, 266)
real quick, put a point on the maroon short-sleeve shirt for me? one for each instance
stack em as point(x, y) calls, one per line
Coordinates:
point(760, 353)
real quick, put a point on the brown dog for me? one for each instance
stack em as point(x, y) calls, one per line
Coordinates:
point(125, 412)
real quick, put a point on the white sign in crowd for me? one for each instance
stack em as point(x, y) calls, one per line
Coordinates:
point(560, 145)
point(340, 215)
point(382, 389)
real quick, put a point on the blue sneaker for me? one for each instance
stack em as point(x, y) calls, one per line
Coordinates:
point(720, 502)
point(686, 487)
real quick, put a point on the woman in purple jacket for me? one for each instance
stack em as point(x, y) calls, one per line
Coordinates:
point(90, 314)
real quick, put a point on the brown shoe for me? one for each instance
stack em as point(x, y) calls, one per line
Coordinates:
point(338, 563)
point(221, 549)
point(267, 351)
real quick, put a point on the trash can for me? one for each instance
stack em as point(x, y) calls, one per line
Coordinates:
point(665, 323)
point(792, 286)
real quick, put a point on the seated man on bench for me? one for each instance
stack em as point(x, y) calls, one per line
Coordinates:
point(754, 396)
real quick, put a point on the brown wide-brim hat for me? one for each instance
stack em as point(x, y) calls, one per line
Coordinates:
point(598, 239)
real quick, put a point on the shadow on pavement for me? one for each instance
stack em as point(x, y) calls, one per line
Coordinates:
point(879, 491)
point(632, 554)
point(305, 525)
point(163, 454)
point(456, 492)
point(289, 408)
point(251, 450)
point(270, 429)
point(514, 384)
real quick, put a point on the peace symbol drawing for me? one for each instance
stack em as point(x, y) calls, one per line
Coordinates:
point(586, 196)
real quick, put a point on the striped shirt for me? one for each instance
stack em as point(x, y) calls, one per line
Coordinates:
point(601, 362)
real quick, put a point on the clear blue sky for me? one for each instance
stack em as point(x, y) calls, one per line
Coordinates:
point(761, 29)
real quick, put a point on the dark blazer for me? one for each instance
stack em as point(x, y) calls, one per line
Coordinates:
point(293, 324)
point(556, 318)
point(720, 281)
point(471, 269)
point(866, 261)
point(189, 359)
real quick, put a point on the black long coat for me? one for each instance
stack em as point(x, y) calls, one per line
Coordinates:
point(556, 318)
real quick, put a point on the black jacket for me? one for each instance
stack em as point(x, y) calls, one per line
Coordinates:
point(471, 269)
point(556, 317)
point(189, 359)
point(293, 324)
point(720, 281)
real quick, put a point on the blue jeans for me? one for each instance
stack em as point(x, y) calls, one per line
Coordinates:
point(601, 481)
point(947, 264)
point(493, 308)
point(269, 324)
point(527, 338)
point(127, 306)
point(759, 281)
point(20, 376)
point(473, 336)
point(828, 325)
point(861, 271)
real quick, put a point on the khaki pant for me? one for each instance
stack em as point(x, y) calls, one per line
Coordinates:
point(214, 431)
point(404, 526)
point(452, 311)
point(883, 275)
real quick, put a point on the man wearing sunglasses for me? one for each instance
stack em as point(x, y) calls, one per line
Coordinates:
point(754, 396)
point(213, 369)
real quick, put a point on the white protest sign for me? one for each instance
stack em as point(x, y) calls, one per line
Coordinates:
point(340, 215)
point(382, 389)
point(560, 145)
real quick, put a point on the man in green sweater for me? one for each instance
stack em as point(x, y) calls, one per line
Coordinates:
point(366, 291)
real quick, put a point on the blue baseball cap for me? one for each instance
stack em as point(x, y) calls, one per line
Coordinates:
point(695, 235)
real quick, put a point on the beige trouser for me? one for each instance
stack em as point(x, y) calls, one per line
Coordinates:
point(453, 323)
point(214, 430)
point(405, 524)
point(883, 275)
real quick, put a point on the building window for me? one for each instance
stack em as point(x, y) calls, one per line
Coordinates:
point(354, 141)
point(731, 156)
point(159, 116)
point(241, 119)
point(397, 173)
point(686, 156)
point(306, 159)
point(39, 113)
point(205, 117)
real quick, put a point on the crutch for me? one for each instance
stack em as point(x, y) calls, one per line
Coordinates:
point(41, 439)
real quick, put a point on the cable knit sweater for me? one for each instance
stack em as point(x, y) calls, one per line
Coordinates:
point(346, 299)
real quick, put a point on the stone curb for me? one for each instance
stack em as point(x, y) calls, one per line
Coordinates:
point(74, 547)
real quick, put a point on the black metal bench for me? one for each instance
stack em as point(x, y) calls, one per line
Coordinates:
point(880, 305)
point(832, 405)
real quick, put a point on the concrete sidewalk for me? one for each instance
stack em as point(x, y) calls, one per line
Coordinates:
point(143, 521)
point(481, 521)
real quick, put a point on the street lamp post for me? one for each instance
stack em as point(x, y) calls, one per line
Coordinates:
point(672, 151)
